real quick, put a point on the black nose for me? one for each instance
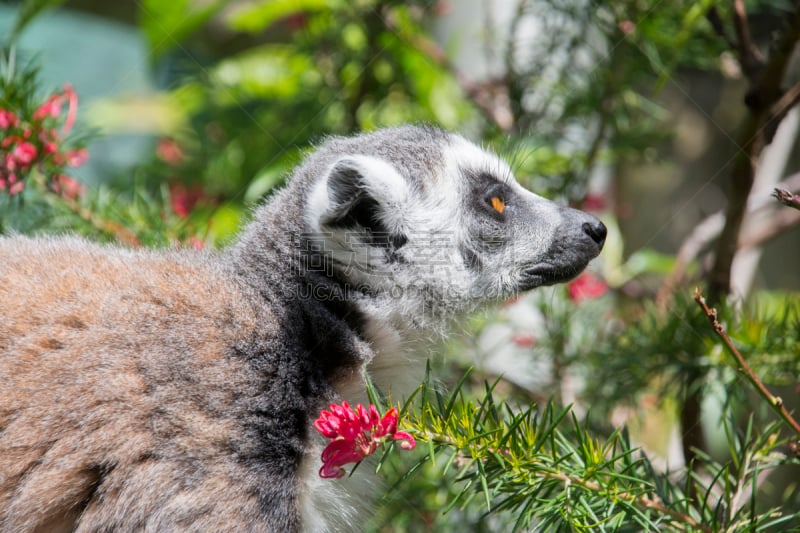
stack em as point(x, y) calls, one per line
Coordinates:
point(596, 230)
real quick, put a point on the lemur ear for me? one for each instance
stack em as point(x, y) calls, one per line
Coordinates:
point(345, 187)
point(363, 191)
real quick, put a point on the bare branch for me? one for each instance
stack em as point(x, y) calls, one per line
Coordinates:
point(787, 198)
point(786, 102)
point(757, 131)
point(780, 223)
point(774, 401)
point(749, 56)
point(710, 228)
point(767, 90)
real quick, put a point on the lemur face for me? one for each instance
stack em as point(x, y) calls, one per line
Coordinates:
point(440, 229)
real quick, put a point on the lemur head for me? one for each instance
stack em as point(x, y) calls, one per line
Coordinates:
point(422, 224)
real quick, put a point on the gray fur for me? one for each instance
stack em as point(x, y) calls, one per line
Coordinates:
point(174, 390)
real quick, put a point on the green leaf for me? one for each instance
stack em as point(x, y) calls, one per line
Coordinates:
point(257, 16)
point(268, 71)
point(167, 24)
point(27, 12)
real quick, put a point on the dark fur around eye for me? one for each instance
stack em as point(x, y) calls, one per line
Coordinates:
point(495, 200)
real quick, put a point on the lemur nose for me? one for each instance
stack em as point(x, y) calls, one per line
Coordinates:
point(596, 230)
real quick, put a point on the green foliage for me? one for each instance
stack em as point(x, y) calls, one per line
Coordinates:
point(335, 69)
point(167, 24)
point(539, 467)
point(658, 345)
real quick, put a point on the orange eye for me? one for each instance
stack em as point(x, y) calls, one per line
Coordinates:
point(498, 204)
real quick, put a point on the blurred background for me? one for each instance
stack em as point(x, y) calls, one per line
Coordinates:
point(640, 112)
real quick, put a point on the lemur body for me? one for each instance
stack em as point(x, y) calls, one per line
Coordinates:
point(175, 390)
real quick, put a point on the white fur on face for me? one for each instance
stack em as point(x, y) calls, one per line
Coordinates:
point(426, 281)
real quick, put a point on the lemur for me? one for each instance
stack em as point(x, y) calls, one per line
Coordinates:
point(174, 390)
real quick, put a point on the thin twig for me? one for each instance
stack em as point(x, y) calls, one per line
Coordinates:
point(787, 101)
point(490, 97)
point(769, 84)
point(787, 198)
point(719, 27)
point(749, 56)
point(774, 401)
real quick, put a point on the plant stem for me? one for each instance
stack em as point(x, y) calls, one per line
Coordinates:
point(120, 232)
point(642, 502)
point(774, 401)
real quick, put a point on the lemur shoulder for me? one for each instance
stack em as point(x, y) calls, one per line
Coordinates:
point(175, 390)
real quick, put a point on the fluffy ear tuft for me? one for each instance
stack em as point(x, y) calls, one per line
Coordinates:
point(357, 191)
point(346, 186)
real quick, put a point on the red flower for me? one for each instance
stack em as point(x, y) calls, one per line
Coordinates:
point(296, 21)
point(586, 287)
point(24, 153)
point(183, 199)
point(594, 202)
point(66, 186)
point(7, 119)
point(355, 434)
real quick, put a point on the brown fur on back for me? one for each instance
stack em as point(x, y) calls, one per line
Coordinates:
point(107, 361)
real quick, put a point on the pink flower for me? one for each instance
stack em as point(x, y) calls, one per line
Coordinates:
point(72, 98)
point(627, 27)
point(76, 158)
point(355, 434)
point(196, 243)
point(7, 119)
point(524, 340)
point(24, 153)
point(169, 151)
point(66, 186)
point(51, 108)
point(9, 163)
point(15, 188)
point(587, 286)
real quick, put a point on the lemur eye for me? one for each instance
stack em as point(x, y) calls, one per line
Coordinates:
point(498, 204)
